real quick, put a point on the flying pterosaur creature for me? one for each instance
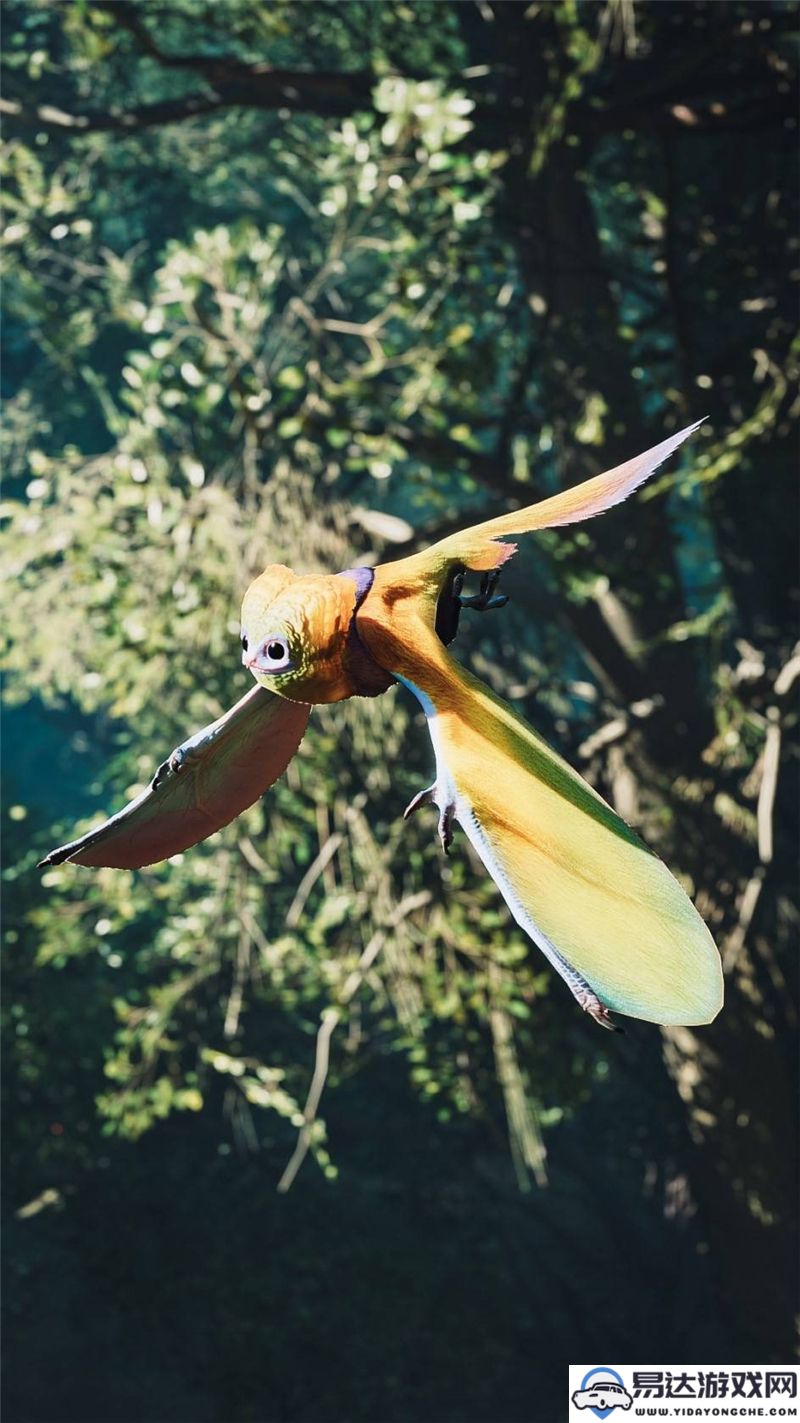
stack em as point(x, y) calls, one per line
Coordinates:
point(602, 907)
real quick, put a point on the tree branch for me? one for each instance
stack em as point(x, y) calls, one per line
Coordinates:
point(329, 1020)
point(702, 116)
point(256, 86)
point(232, 83)
point(47, 116)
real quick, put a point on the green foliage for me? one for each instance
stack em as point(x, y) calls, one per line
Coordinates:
point(275, 331)
point(230, 405)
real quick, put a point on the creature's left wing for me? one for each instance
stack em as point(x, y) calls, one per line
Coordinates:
point(206, 782)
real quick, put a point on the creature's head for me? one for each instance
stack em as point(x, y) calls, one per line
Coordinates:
point(298, 635)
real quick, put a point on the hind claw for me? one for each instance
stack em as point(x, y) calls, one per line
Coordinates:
point(446, 814)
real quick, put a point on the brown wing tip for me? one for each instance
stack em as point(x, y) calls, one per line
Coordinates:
point(56, 857)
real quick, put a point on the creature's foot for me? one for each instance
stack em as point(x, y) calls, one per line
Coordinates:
point(446, 810)
point(452, 599)
point(592, 1005)
point(487, 598)
point(446, 815)
point(586, 996)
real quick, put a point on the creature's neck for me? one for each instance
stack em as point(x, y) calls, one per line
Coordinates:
point(368, 679)
point(397, 628)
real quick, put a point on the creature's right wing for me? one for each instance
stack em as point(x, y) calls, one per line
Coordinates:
point(205, 783)
point(602, 907)
point(483, 547)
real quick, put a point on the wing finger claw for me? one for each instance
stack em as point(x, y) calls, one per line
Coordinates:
point(426, 797)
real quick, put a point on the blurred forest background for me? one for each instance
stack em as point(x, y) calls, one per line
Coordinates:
point(317, 282)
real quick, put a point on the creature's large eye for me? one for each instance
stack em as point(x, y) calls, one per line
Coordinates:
point(244, 642)
point(274, 655)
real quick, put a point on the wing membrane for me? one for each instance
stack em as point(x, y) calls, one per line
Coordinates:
point(206, 782)
point(604, 909)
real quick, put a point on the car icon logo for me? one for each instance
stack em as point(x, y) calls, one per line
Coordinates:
point(602, 1390)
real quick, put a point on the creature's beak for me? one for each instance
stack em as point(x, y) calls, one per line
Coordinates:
point(253, 663)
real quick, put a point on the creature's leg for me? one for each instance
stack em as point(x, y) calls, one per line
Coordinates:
point(586, 996)
point(448, 609)
point(580, 989)
point(446, 813)
point(487, 598)
point(452, 600)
